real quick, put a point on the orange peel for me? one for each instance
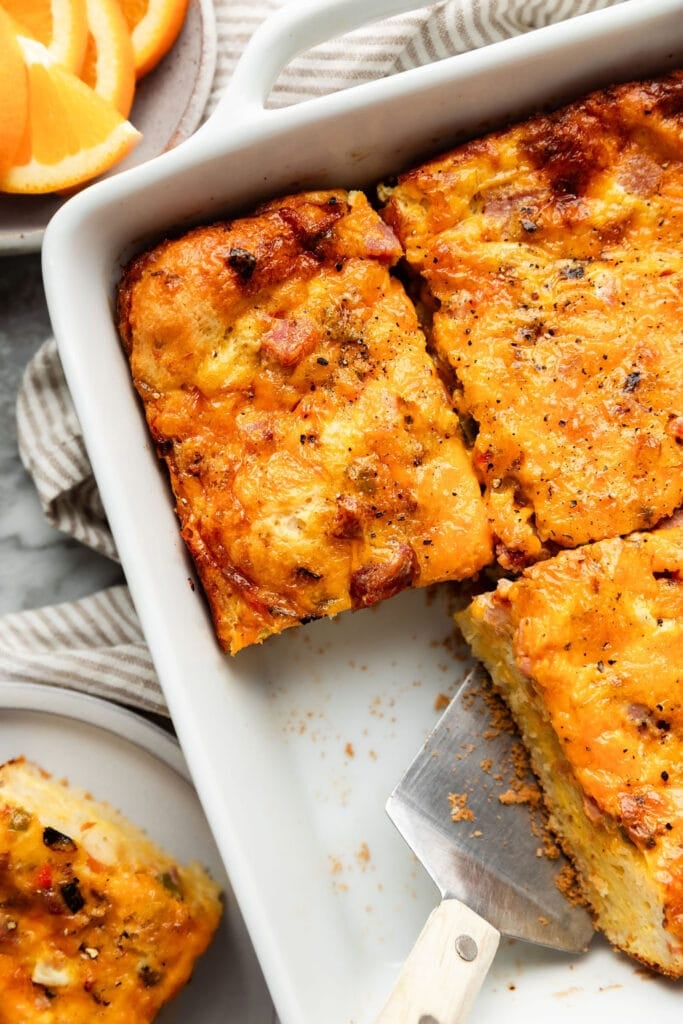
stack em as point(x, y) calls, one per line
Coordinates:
point(109, 65)
point(154, 26)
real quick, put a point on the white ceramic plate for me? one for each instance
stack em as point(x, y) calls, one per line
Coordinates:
point(169, 103)
point(295, 746)
point(139, 769)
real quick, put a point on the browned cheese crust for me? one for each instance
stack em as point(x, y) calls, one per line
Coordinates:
point(587, 649)
point(316, 461)
point(551, 255)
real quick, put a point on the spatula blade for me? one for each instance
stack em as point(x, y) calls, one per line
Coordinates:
point(491, 859)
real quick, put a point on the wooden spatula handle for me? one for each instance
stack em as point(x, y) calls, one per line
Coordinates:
point(444, 970)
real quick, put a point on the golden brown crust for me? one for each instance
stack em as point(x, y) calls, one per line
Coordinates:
point(316, 462)
point(587, 648)
point(552, 253)
point(96, 922)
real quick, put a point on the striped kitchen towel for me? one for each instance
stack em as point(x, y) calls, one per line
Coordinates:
point(428, 34)
point(96, 644)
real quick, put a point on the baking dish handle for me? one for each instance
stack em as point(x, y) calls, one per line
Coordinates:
point(294, 28)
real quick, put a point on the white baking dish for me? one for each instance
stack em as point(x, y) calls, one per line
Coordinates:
point(294, 746)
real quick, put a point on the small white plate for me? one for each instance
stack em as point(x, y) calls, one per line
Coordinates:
point(139, 769)
point(169, 103)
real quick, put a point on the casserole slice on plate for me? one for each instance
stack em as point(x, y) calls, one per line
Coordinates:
point(96, 921)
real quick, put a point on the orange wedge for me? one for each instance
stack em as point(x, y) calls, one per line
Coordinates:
point(60, 25)
point(72, 134)
point(13, 93)
point(109, 66)
point(154, 26)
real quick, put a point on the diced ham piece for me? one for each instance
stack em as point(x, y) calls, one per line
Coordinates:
point(676, 428)
point(288, 341)
point(639, 174)
point(380, 242)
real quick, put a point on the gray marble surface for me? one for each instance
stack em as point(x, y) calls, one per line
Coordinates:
point(38, 565)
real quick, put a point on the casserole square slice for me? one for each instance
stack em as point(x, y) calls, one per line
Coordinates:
point(97, 923)
point(587, 650)
point(316, 461)
point(550, 254)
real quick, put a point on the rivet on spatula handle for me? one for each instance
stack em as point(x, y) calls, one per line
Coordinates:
point(444, 970)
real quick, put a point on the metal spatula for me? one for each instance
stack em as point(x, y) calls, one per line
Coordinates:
point(489, 866)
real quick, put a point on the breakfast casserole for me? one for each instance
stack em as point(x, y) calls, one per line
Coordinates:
point(96, 922)
point(315, 458)
point(349, 404)
point(550, 262)
point(587, 650)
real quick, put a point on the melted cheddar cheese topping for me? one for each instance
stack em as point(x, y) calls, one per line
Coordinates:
point(551, 255)
point(316, 461)
point(594, 638)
